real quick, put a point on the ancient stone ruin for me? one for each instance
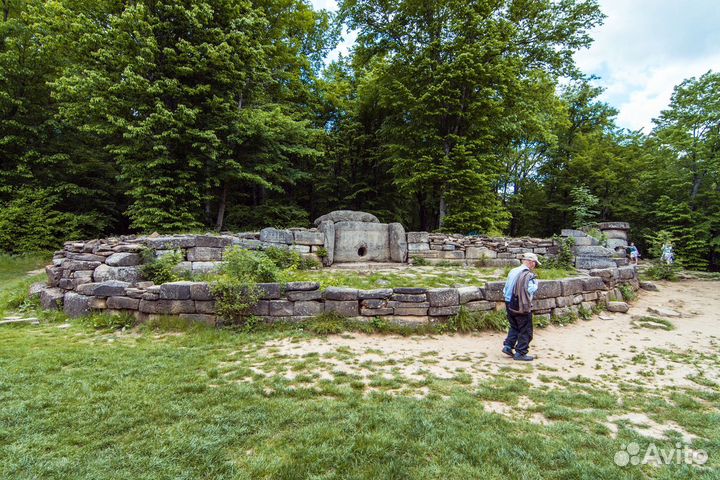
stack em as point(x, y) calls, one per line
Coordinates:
point(105, 274)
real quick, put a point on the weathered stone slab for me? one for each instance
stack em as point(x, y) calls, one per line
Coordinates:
point(410, 290)
point(200, 291)
point(593, 283)
point(213, 241)
point(649, 286)
point(548, 288)
point(443, 297)
point(664, 312)
point(398, 242)
point(571, 286)
point(476, 253)
point(170, 242)
point(616, 243)
point(408, 297)
point(270, 291)
point(261, 308)
point(585, 241)
point(376, 312)
point(103, 273)
point(76, 305)
point(338, 293)
point(470, 294)
point(443, 311)
point(295, 286)
point(382, 293)
point(86, 257)
point(308, 308)
point(73, 265)
point(418, 237)
point(199, 268)
point(175, 291)
point(592, 251)
point(373, 303)
point(361, 242)
point(207, 306)
point(590, 296)
point(327, 228)
point(592, 263)
point(614, 226)
point(97, 303)
point(124, 259)
point(110, 288)
point(302, 249)
point(626, 273)
point(621, 307)
point(346, 308)
point(51, 298)
point(418, 247)
point(494, 291)
point(204, 254)
point(480, 306)
point(568, 232)
point(338, 216)
point(303, 295)
point(123, 303)
point(411, 311)
point(544, 303)
point(276, 236)
point(306, 237)
point(280, 308)
point(168, 307)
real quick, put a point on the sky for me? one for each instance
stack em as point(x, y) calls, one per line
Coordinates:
point(644, 49)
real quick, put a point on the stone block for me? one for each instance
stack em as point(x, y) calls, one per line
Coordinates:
point(276, 236)
point(476, 253)
point(204, 254)
point(51, 298)
point(479, 306)
point(327, 228)
point(76, 305)
point(548, 288)
point(110, 288)
point(494, 291)
point(206, 306)
point(124, 259)
point(307, 237)
point(452, 255)
point(410, 290)
point(443, 311)
point(417, 247)
point(338, 293)
point(586, 241)
point(209, 320)
point(620, 307)
point(592, 263)
point(571, 286)
point(443, 297)
point(175, 291)
point(470, 294)
point(564, 301)
point(82, 276)
point(362, 242)
point(103, 273)
point(376, 312)
point(615, 243)
point(296, 286)
point(308, 308)
point(123, 303)
point(606, 273)
point(626, 273)
point(201, 268)
point(408, 297)
point(396, 304)
point(568, 232)
point(300, 248)
point(200, 291)
point(588, 306)
point(649, 286)
point(418, 237)
point(167, 307)
point(592, 251)
point(561, 312)
point(614, 226)
point(502, 262)
point(280, 308)
point(214, 241)
point(170, 242)
point(544, 304)
point(346, 308)
point(303, 295)
point(338, 216)
point(261, 308)
point(593, 283)
point(398, 242)
point(270, 291)
point(383, 293)
point(411, 311)
point(590, 296)
point(86, 257)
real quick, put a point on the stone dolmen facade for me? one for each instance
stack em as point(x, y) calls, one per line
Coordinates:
point(105, 275)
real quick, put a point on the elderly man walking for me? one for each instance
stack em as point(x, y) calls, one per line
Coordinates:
point(520, 287)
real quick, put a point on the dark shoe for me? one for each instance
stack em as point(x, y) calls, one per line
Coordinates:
point(507, 351)
point(523, 358)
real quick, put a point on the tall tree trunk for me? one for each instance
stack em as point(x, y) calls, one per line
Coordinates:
point(442, 209)
point(221, 207)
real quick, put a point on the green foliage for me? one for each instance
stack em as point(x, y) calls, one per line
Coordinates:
point(322, 252)
point(467, 321)
point(564, 260)
point(104, 321)
point(419, 261)
point(628, 294)
point(162, 269)
point(659, 270)
point(598, 235)
point(583, 206)
point(285, 259)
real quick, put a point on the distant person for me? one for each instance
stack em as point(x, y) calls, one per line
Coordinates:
point(634, 253)
point(668, 256)
point(519, 289)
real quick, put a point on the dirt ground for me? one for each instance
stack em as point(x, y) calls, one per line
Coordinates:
point(609, 350)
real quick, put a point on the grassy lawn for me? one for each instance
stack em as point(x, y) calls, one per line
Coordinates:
point(172, 401)
point(426, 276)
point(14, 280)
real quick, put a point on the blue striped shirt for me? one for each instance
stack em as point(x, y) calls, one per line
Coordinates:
point(512, 278)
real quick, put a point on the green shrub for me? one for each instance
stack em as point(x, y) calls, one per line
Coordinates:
point(564, 260)
point(322, 252)
point(628, 294)
point(420, 261)
point(466, 321)
point(162, 269)
point(659, 270)
point(248, 266)
point(106, 321)
point(585, 313)
point(285, 259)
point(327, 323)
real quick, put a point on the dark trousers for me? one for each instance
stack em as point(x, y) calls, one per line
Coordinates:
point(520, 333)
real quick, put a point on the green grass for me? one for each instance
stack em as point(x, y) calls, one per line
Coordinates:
point(14, 281)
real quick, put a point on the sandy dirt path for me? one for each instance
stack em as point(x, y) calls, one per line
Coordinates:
point(606, 351)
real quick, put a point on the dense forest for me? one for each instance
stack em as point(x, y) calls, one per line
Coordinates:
point(122, 116)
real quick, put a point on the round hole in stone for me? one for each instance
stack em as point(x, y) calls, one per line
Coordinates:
point(362, 251)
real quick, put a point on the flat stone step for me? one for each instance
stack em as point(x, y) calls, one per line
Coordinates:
point(11, 320)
